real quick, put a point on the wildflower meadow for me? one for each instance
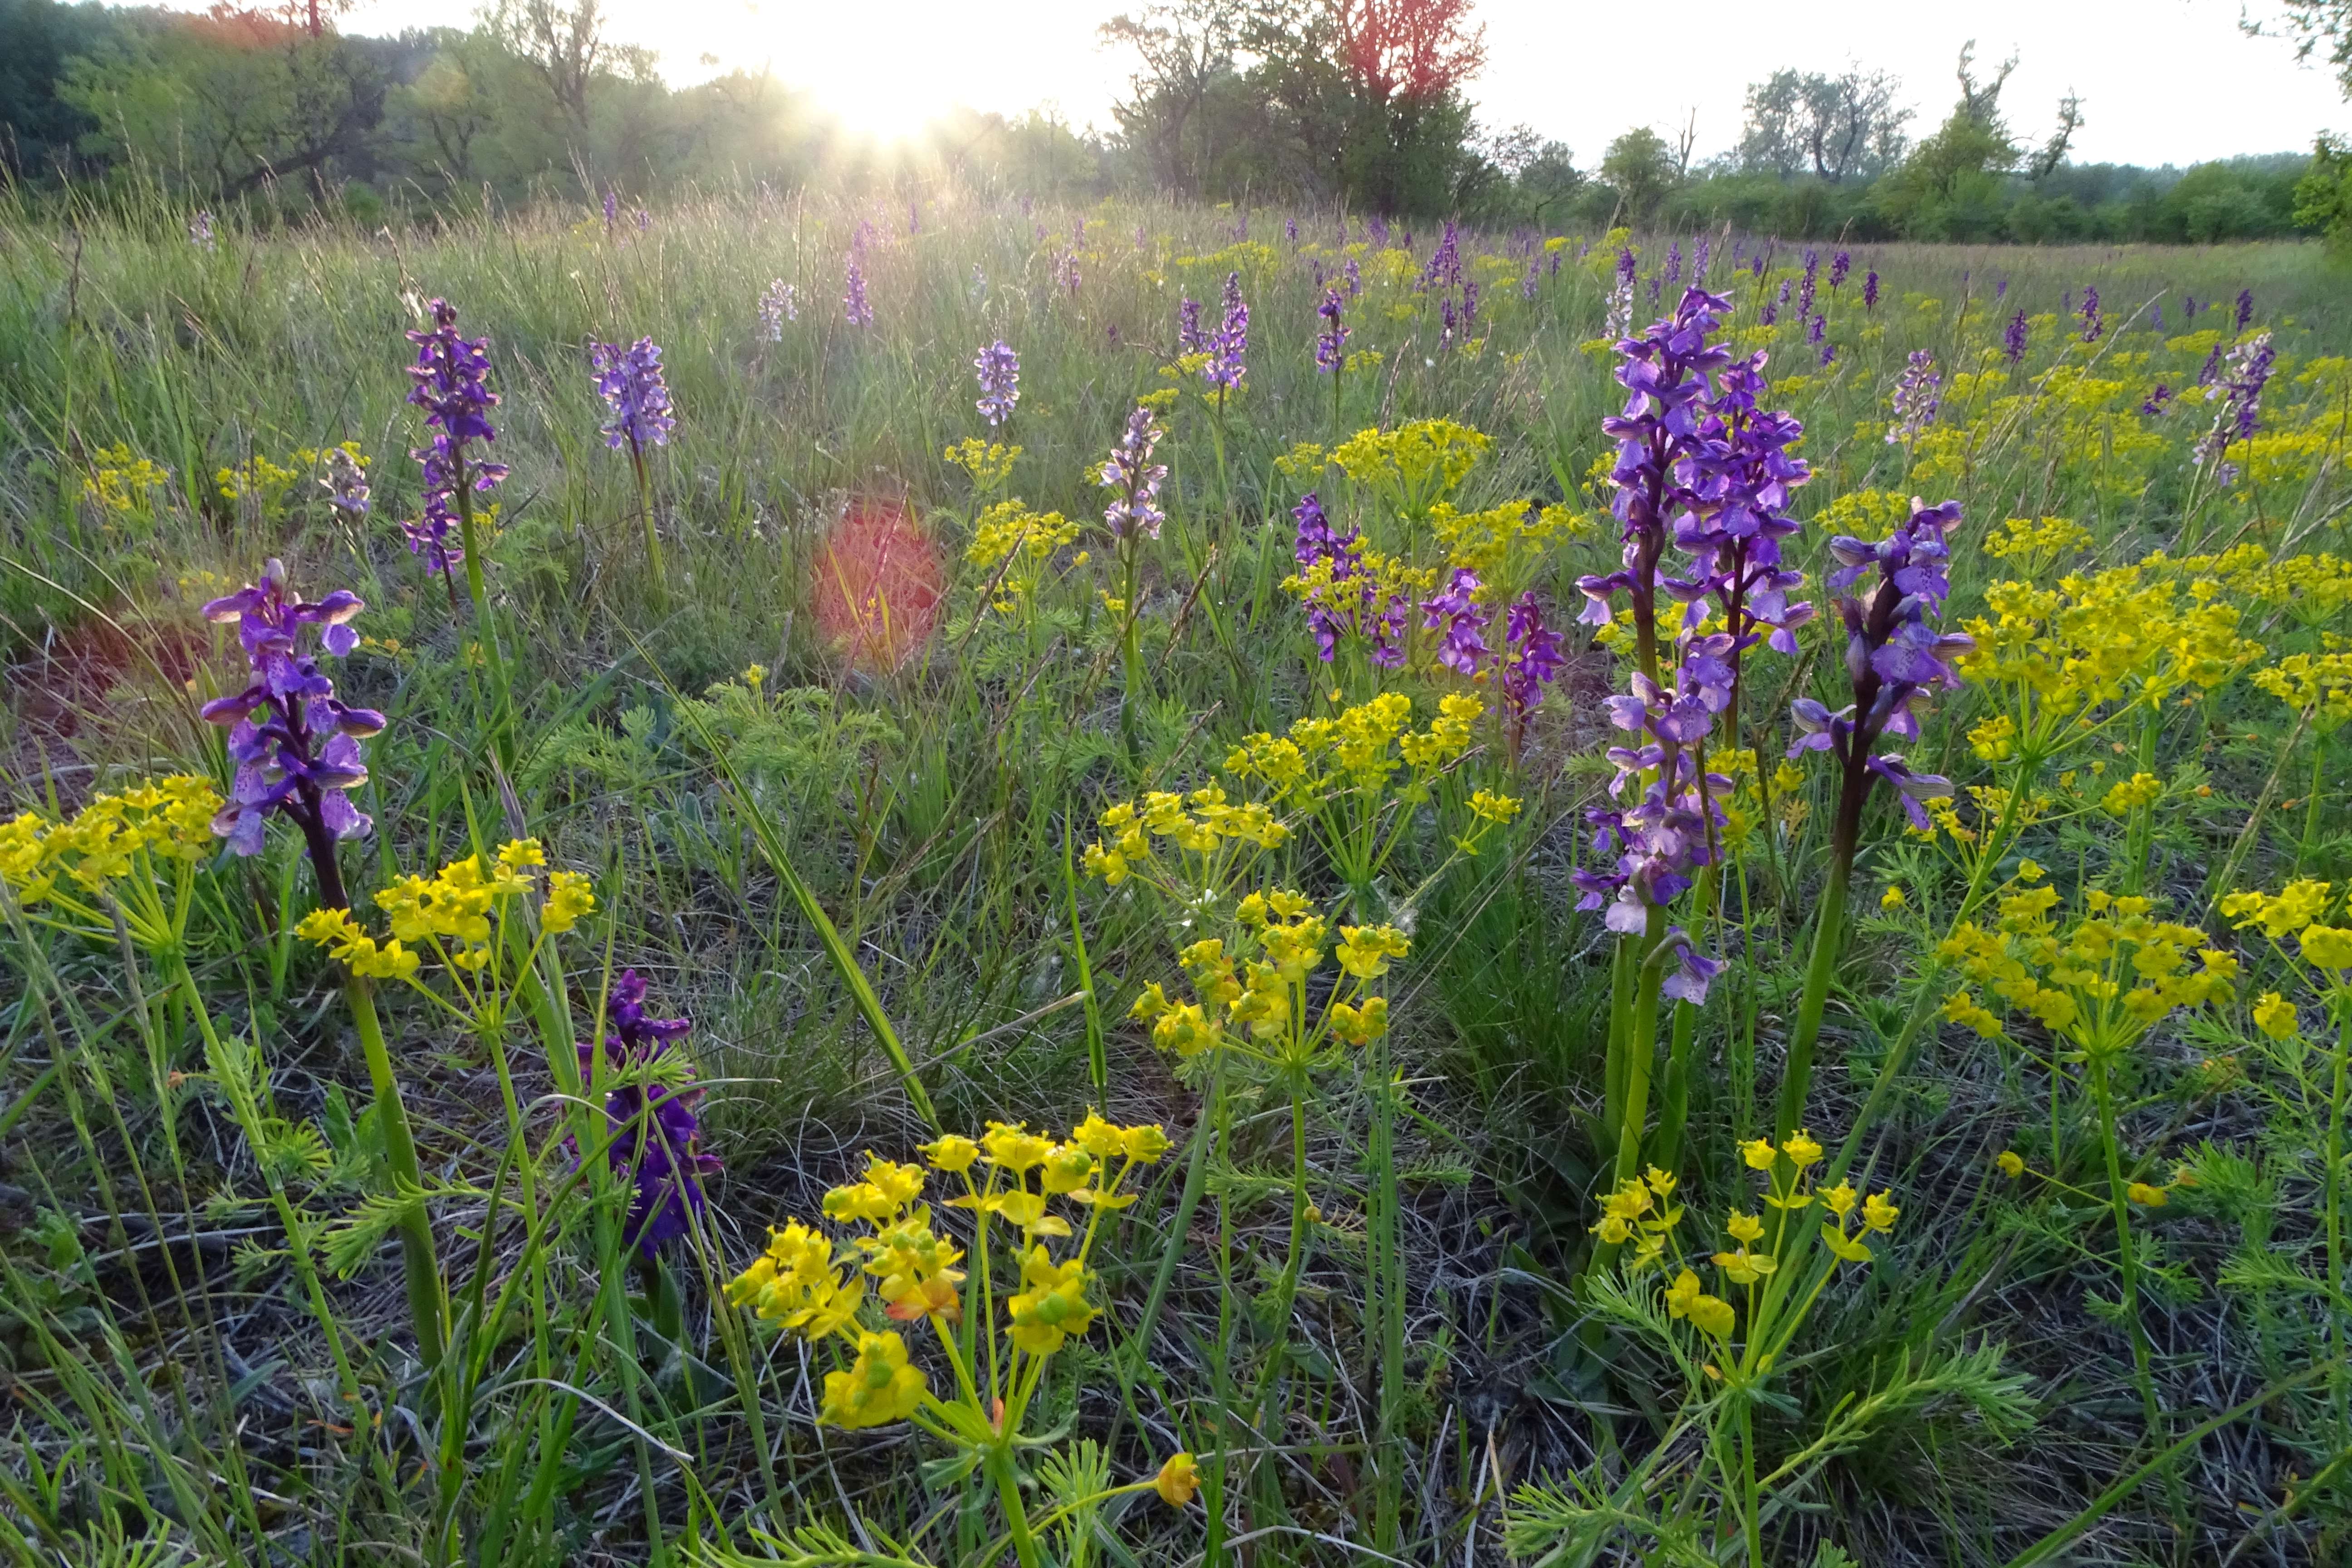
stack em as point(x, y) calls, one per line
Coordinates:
point(861, 880)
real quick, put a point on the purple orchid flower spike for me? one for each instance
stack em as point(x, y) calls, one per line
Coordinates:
point(630, 381)
point(1134, 479)
point(452, 376)
point(295, 742)
point(1000, 382)
point(653, 1118)
point(1464, 648)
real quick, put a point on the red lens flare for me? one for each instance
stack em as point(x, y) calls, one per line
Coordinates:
point(876, 587)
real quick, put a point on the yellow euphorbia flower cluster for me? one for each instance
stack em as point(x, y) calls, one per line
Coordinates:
point(989, 463)
point(1743, 808)
point(2294, 912)
point(2038, 541)
point(1199, 827)
point(1414, 466)
point(810, 1285)
point(121, 482)
point(2121, 635)
point(1494, 541)
point(2320, 684)
point(1643, 1213)
point(260, 479)
point(2101, 984)
point(451, 913)
point(1640, 1211)
point(1259, 992)
point(1357, 750)
point(1013, 544)
point(2311, 589)
point(167, 818)
point(1789, 1189)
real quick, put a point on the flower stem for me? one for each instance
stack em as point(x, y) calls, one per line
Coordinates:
point(655, 579)
point(2103, 1093)
point(1828, 928)
point(428, 1306)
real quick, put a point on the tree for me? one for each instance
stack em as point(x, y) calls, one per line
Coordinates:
point(2314, 26)
point(1837, 127)
point(453, 101)
point(1640, 167)
point(1405, 62)
point(1183, 47)
point(2053, 151)
point(229, 100)
point(39, 128)
point(562, 40)
point(2323, 197)
point(1948, 188)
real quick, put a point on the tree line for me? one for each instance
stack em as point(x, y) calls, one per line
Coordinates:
point(1354, 104)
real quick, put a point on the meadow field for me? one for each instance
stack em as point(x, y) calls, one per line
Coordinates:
point(824, 880)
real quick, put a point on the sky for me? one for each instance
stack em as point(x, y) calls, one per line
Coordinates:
point(2161, 80)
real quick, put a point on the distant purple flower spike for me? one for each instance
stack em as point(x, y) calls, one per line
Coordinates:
point(2093, 328)
point(1454, 611)
point(295, 744)
point(1444, 269)
point(1918, 396)
point(777, 306)
point(346, 484)
point(653, 1118)
point(1840, 265)
point(853, 297)
point(2245, 308)
point(2157, 400)
point(1189, 338)
point(1870, 290)
point(2013, 339)
point(2239, 392)
point(1331, 342)
point(1533, 657)
point(1226, 368)
point(1000, 382)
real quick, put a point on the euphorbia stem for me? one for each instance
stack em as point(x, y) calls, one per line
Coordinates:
point(2118, 1200)
point(2332, 1186)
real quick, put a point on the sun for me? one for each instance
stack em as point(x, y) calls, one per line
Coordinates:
point(883, 71)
